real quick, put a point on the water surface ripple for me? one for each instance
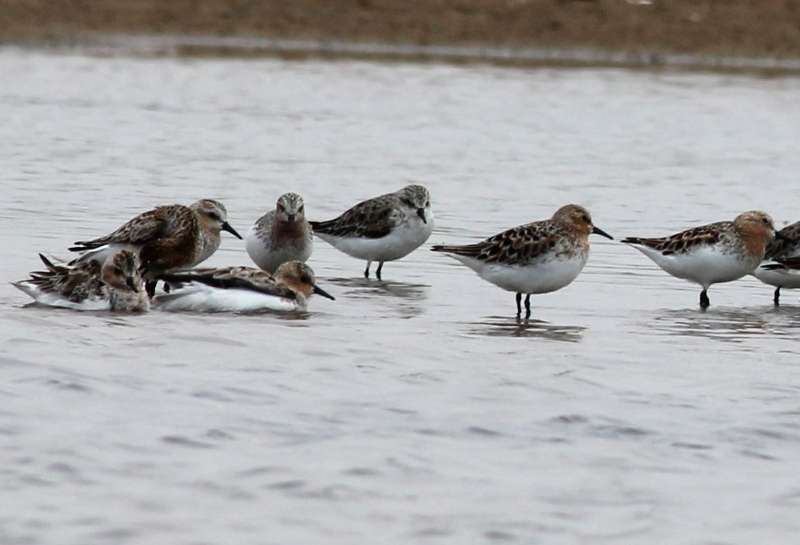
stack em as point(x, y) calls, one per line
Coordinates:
point(416, 410)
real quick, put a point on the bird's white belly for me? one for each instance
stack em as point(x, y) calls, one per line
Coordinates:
point(780, 278)
point(202, 298)
point(540, 277)
point(403, 240)
point(56, 300)
point(705, 266)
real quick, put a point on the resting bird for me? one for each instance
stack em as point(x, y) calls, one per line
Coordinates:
point(714, 253)
point(240, 289)
point(785, 245)
point(115, 285)
point(381, 229)
point(538, 257)
point(167, 238)
point(281, 235)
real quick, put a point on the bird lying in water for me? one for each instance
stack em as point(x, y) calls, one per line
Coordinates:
point(115, 285)
point(240, 289)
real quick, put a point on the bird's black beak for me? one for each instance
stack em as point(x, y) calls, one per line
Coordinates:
point(322, 292)
point(421, 214)
point(227, 227)
point(290, 217)
point(598, 231)
point(132, 285)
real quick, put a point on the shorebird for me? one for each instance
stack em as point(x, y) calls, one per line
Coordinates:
point(381, 229)
point(534, 258)
point(785, 245)
point(711, 254)
point(115, 285)
point(167, 238)
point(240, 289)
point(281, 235)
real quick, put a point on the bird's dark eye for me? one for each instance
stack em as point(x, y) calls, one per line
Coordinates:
point(301, 209)
point(281, 208)
point(765, 221)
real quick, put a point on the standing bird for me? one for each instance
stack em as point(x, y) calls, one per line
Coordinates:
point(534, 258)
point(281, 235)
point(240, 289)
point(714, 253)
point(381, 229)
point(785, 245)
point(167, 238)
point(115, 285)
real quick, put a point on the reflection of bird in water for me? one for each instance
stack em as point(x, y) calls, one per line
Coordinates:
point(400, 290)
point(733, 325)
point(405, 297)
point(499, 326)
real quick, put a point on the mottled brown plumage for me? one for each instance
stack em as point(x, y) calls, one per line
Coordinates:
point(685, 241)
point(174, 220)
point(787, 262)
point(247, 278)
point(562, 235)
point(516, 245)
point(749, 233)
point(74, 284)
point(115, 285)
point(167, 238)
point(711, 254)
point(240, 289)
point(786, 243)
point(538, 257)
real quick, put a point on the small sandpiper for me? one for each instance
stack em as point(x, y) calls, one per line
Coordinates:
point(167, 238)
point(281, 235)
point(714, 253)
point(383, 228)
point(786, 245)
point(240, 289)
point(115, 285)
point(534, 258)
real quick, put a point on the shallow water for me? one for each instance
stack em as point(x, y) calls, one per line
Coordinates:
point(414, 410)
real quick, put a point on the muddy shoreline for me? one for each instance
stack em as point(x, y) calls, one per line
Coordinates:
point(614, 32)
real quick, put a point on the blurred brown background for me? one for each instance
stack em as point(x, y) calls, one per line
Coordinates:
point(731, 27)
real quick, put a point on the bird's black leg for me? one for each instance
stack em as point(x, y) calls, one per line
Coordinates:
point(704, 300)
point(366, 271)
point(150, 288)
point(527, 306)
point(777, 297)
point(378, 270)
point(519, 305)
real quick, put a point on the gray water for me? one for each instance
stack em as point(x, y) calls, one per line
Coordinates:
point(414, 410)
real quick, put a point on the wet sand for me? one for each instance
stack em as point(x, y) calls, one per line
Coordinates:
point(751, 28)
